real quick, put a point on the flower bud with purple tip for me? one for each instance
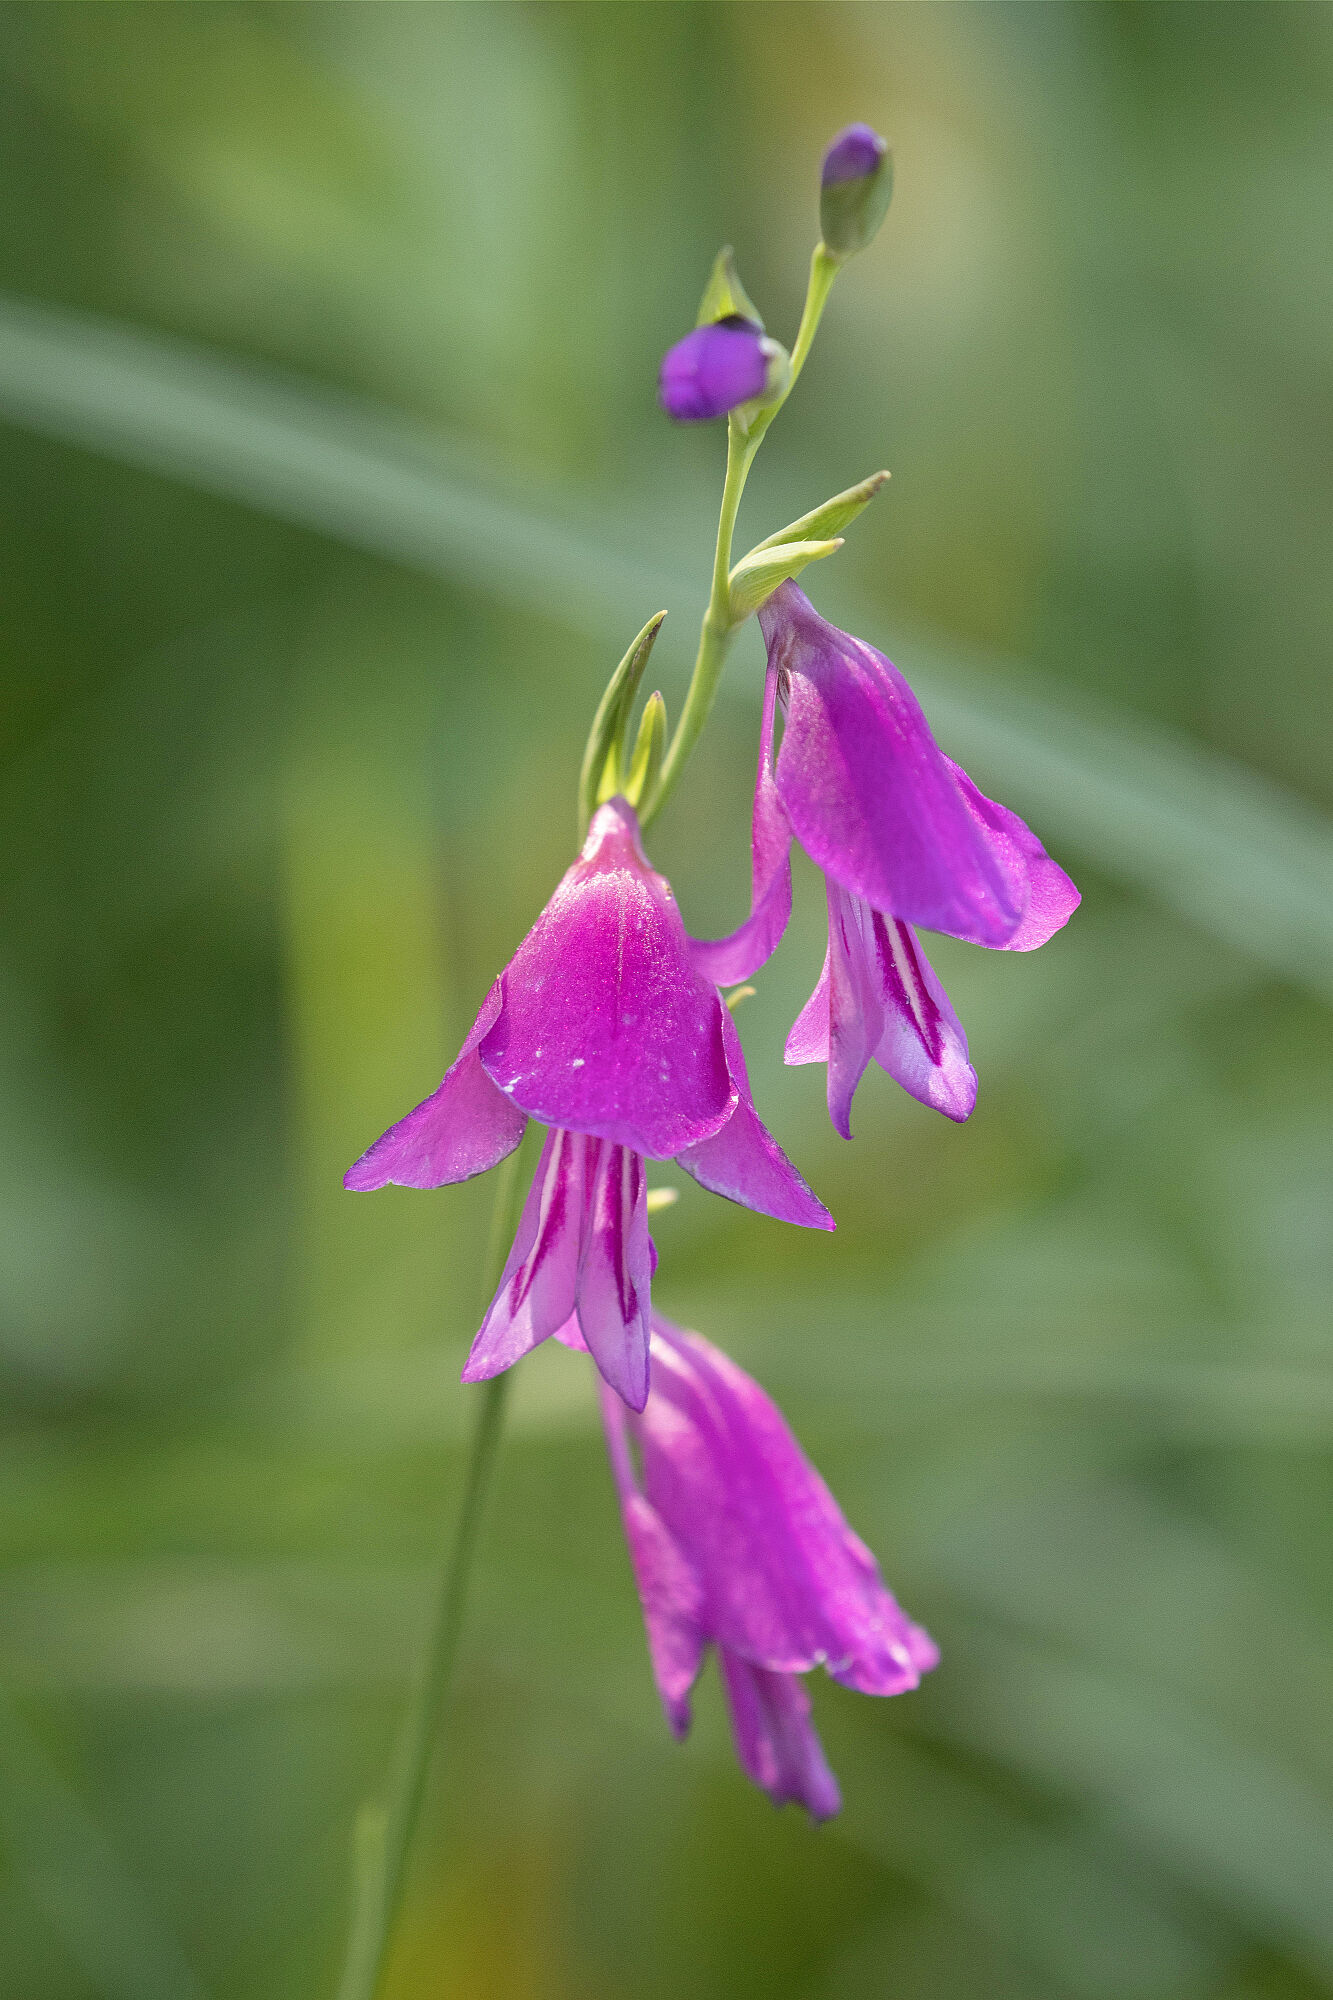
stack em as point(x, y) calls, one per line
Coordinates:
point(855, 187)
point(718, 367)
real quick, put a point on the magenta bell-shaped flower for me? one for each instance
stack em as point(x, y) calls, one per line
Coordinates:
point(904, 838)
point(736, 1542)
point(602, 1026)
point(717, 368)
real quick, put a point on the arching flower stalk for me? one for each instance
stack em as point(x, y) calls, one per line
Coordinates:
point(607, 1027)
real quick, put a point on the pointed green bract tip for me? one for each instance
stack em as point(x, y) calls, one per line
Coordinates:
point(724, 294)
point(830, 518)
point(603, 770)
point(649, 749)
point(757, 576)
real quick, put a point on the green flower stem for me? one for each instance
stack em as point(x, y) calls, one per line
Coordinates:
point(824, 268)
point(719, 626)
point(385, 1831)
point(715, 635)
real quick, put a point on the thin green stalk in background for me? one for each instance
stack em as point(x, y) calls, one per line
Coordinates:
point(385, 1831)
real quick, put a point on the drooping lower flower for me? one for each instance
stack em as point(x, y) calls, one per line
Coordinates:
point(737, 1542)
point(904, 839)
point(604, 1029)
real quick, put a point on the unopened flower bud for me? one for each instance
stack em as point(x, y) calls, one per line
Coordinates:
point(854, 190)
point(718, 367)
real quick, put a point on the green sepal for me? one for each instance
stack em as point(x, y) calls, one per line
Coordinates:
point(724, 293)
point(603, 760)
point(649, 750)
point(851, 211)
point(758, 575)
point(830, 519)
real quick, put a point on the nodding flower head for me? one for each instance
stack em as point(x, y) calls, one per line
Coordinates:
point(736, 1542)
point(904, 838)
point(605, 1028)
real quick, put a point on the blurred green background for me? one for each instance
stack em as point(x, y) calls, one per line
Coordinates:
point(332, 487)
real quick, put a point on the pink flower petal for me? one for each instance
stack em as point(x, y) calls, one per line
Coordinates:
point(607, 1027)
point(461, 1129)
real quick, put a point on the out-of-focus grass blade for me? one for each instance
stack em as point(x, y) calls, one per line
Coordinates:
point(70, 1869)
point(1211, 839)
point(347, 469)
point(1063, 1903)
point(1233, 1823)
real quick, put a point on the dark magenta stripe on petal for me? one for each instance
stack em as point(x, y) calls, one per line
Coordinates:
point(537, 1291)
point(615, 1273)
point(922, 1045)
point(903, 982)
point(880, 1001)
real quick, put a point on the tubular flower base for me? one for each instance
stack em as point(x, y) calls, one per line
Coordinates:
point(736, 1542)
point(904, 838)
point(603, 1027)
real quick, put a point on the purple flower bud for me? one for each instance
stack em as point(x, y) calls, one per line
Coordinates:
point(855, 187)
point(855, 151)
point(716, 368)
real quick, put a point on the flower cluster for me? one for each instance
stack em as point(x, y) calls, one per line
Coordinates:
point(608, 1028)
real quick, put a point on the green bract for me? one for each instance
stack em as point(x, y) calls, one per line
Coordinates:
point(829, 519)
point(757, 576)
point(649, 749)
point(602, 774)
point(851, 211)
point(724, 293)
